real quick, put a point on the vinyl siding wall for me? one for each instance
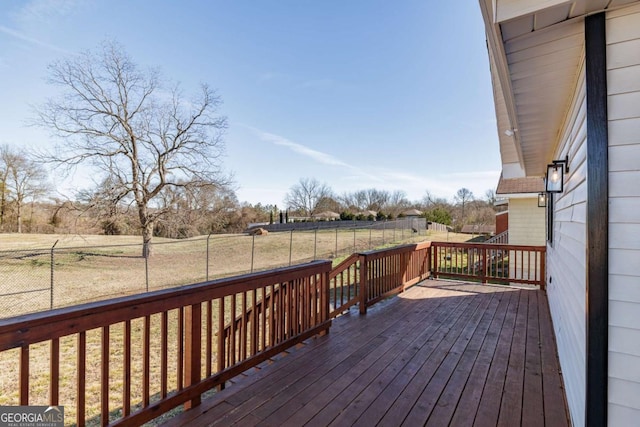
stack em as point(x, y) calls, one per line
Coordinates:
point(623, 79)
point(566, 255)
point(526, 222)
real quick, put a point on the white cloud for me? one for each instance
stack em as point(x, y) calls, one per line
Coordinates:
point(313, 154)
point(37, 12)
point(25, 38)
point(415, 185)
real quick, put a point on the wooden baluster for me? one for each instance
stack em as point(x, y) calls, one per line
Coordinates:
point(104, 378)
point(193, 353)
point(434, 260)
point(180, 349)
point(81, 365)
point(126, 369)
point(54, 373)
point(485, 265)
point(243, 328)
point(232, 331)
point(254, 322)
point(209, 338)
point(364, 284)
point(146, 360)
point(24, 375)
point(164, 350)
point(221, 339)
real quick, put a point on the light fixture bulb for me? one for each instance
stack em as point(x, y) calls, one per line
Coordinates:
point(555, 176)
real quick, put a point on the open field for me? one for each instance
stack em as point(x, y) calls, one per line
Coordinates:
point(35, 277)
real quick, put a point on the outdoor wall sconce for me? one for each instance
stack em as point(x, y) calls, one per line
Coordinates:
point(555, 175)
point(542, 200)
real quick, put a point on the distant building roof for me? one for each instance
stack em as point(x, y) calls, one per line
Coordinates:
point(412, 212)
point(327, 215)
point(520, 185)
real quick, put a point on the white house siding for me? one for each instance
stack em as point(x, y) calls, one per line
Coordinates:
point(623, 79)
point(526, 222)
point(566, 255)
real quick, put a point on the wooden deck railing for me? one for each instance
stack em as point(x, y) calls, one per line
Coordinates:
point(493, 263)
point(387, 272)
point(344, 285)
point(153, 352)
point(207, 348)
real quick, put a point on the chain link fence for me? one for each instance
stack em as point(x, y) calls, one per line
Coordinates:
point(41, 279)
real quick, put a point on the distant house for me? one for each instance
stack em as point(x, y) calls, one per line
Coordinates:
point(412, 212)
point(526, 219)
point(566, 85)
point(326, 215)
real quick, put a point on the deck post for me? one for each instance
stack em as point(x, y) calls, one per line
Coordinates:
point(364, 284)
point(597, 281)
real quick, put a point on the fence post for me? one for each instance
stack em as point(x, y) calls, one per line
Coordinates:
point(253, 246)
point(354, 240)
point(290, 245)
point(207, 263)
point(384, 226)
point(52, 250)
point(315, 244)
point(364, 284)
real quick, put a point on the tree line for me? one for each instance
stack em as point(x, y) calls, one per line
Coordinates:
point(310, 197)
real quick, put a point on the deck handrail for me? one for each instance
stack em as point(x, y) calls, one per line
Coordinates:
point(301, 311)
point(490, 263)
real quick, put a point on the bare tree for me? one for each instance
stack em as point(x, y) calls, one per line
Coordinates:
point(122, 121)
point(398, 202)
point(107, 204)
point(23, 180)
point(306, 194)
point(5, 160)
point(462, 197)
point(490, 197)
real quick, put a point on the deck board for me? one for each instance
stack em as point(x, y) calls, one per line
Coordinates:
point(441, 353)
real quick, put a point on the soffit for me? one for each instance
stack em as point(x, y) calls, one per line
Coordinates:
point(537, 47)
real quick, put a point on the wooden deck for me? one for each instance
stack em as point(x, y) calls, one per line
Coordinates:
point(442, 353)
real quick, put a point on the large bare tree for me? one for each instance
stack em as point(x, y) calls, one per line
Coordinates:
point(123, 121)
point(306, 194)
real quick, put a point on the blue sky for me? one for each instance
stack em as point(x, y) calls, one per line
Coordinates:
point(394, 95)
